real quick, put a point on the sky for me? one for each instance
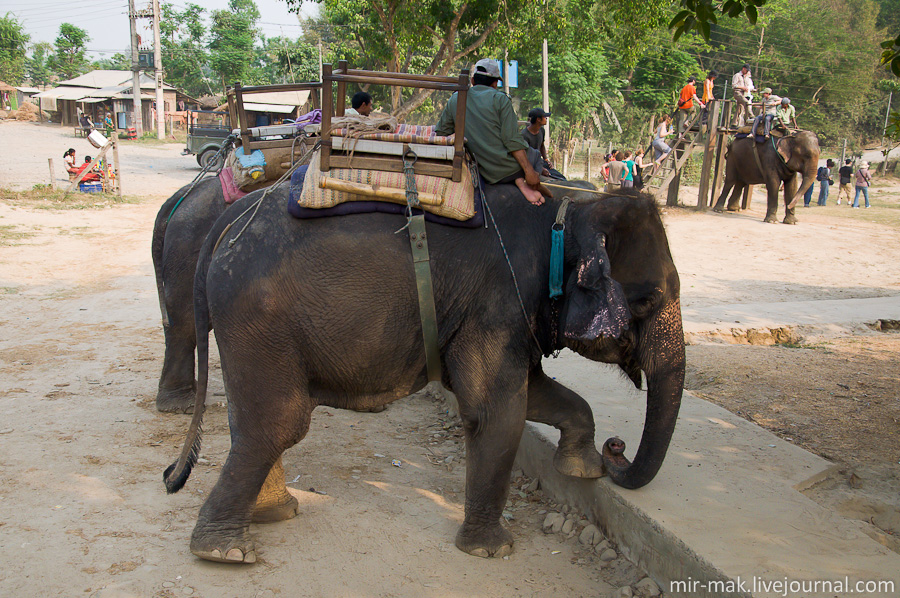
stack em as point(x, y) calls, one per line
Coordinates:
point(106, 21)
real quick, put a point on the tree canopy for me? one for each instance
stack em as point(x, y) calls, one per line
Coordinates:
point(69, 60)
point(13, 45)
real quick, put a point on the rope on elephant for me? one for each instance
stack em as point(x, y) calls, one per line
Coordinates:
point(304, 159)
point(226, 143)
point(569, 188)
point(487, 208)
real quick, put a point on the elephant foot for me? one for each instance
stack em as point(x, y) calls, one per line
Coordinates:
point(222, 546)
point(790, 219)
point(273, 508)
point(733, 208)
point(486, 542)
point(718, 208)
point(771, 219)
point(586, 463)
point(179, 400)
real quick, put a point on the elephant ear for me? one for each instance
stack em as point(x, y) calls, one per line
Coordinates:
point(596, 305)
point(784, 149)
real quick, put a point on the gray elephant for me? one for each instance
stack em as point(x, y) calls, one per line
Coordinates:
point(175, 246)
point(797, 153)
point(325, 312)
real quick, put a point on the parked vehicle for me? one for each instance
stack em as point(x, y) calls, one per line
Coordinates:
point(205, 132)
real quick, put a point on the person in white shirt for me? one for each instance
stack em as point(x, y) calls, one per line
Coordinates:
point(361, 104)
point(742, 85)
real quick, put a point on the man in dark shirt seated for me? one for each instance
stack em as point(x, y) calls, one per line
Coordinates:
point(492, 135)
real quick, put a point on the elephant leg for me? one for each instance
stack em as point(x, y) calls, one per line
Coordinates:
point(275, 502)
point(549, 402)
point(790, 189)
point(734, 202)
point(268, 414)
point(720, 203)
point(492, 396)
point(176, 382)
point(772, 185)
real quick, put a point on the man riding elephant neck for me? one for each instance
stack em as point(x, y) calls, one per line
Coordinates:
point(492, 134)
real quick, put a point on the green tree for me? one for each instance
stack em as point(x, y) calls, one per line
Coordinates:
point(13, 44)
point(283, 60)
point(233, 34)
point(184, 55)
point(37, 66)
point(434, 37)
point(69, 60)
point(116, 62)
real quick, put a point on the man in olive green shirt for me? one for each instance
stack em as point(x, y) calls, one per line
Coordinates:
point(492, 134)
point(787, 114)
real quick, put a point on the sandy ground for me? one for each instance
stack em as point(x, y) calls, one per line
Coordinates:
point(82, 449)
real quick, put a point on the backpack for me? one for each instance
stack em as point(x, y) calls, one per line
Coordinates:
point(820, 174)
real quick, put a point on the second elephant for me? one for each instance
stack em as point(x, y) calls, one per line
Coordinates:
point(797, 153)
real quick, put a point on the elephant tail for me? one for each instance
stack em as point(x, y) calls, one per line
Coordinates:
point(176, 475)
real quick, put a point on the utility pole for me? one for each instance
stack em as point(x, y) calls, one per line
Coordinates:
point(546, 89)
point(320, 62)
point(505, 71)
point(887, 114)
point(158, 74)
point(135, 69)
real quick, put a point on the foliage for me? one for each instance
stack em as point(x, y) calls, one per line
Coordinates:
point(391, 34)
point(283, 60)
point(13, 43)
point(117, 62)
point(659, 76)
point(37, 66)
point(890, 57)
point(700, 15)
point(182, 35)
point(69, 60)
point(233, 35)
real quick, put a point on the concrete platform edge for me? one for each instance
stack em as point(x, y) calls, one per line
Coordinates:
point(663, 556)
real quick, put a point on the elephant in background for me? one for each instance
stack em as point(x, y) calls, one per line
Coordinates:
point(175, 247)
point(796, 153)
point(325, 312)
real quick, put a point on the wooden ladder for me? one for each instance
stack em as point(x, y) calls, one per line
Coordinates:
point(684, 146)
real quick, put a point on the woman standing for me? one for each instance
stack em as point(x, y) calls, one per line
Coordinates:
point(639, 168)
point(862, 183)
point(628, 181)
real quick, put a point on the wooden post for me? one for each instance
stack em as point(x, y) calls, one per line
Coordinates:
point(587, 165)
point(104, 165)
point(565, 172)
point(674, 187)
point(747, 198)
point(116, 169)
point(325, 135)
point(52, 179)
point(709, 147)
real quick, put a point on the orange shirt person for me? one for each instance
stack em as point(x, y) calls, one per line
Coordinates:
point(686, 104)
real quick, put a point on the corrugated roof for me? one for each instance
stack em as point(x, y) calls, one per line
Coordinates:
point(28, 89)
point(71, 93)
point(100, 78)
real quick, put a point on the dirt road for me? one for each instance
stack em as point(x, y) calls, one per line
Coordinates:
point(82, 449)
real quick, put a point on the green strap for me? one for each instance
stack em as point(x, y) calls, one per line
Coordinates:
point(422, 267)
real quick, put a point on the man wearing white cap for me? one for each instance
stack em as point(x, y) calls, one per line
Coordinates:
point(492, 134)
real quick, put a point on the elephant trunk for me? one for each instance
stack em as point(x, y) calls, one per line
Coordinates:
point(664, 365)
point(809, 177)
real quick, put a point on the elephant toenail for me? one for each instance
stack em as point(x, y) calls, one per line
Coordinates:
point(235, 554)
point(483, 553)
point(504, 550)
point(216, 554)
